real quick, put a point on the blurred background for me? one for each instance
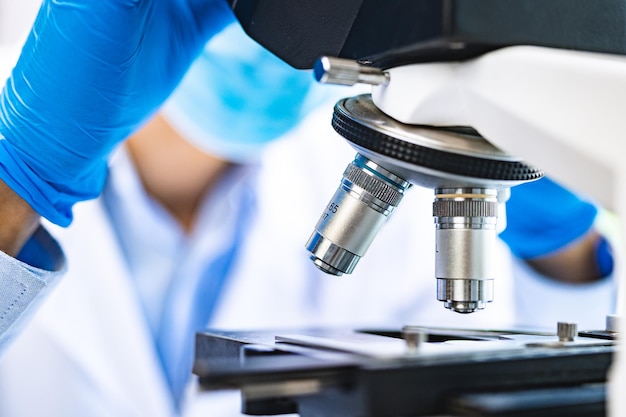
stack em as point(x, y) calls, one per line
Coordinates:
point(16, 17)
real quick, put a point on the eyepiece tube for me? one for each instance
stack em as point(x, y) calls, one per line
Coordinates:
point(364, 200)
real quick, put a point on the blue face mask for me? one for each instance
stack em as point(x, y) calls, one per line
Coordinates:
point(237, 97)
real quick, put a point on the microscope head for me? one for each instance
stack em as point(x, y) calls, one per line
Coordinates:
point(389, 45)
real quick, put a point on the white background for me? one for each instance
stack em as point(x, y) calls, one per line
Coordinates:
point(16, 17)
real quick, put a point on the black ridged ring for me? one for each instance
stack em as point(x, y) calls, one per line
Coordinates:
point(422, 156)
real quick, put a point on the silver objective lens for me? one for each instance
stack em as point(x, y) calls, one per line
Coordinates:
point(465, 220)
point(366, 196)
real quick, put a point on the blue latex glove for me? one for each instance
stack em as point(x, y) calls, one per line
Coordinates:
point(543, 217)
point(90, 73)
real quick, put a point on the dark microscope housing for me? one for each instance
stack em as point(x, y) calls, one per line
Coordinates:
point(388, 33)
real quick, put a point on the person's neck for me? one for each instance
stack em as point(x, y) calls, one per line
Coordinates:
point(174, 172)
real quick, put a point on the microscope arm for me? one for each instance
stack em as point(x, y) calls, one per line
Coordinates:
point(559, 110)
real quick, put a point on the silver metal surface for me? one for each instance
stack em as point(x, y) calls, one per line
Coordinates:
point(613, 323)
point(330, 70)
point(331, 258)
point(414, 338)
point(465, 295)
point(465, 239)
point(365, 198)
point(566, 332)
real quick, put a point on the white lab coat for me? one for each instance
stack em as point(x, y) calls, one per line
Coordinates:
point(23, 286)
point(88, 351)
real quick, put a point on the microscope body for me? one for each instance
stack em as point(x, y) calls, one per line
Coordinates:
point(470, 84)
point(562, 110)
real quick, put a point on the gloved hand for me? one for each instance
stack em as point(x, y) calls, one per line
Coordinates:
point(90, 73)
point(543, 218)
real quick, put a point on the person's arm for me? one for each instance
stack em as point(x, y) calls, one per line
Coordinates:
point(89, 74)
point(576, 263)
point(552, 230)
point(19, 221)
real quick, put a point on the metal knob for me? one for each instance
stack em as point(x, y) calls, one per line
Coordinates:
point(566, 332)
point(330, 70)
point(612, 323)
point(414, 338)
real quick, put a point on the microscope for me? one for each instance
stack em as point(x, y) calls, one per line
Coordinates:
point(469, 98)
point(444, 113)
point(470, 178)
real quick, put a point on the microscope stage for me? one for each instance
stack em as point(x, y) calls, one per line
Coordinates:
point(335, 372)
